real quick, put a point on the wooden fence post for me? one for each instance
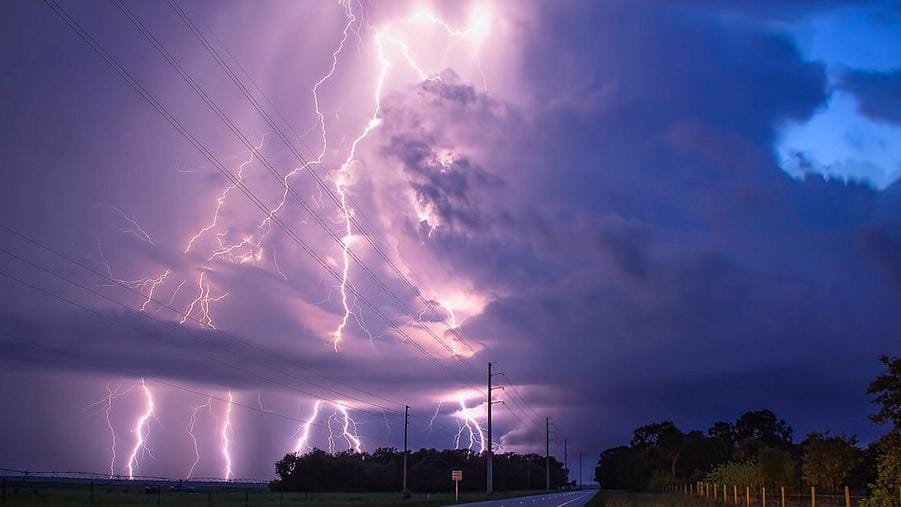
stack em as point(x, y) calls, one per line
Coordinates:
point(847, 497)
point(782, 493)
point(716, 487)
point(763, 495)
point(747, 496)
point(813, 496)
point(735, 494)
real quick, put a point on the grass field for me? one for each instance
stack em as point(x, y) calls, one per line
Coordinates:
point(66, 495)
point(626, 499)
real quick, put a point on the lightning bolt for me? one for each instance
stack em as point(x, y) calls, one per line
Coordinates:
point(191, 424)
point(432, 420)
point(226, 430)
point(347, 427)
point(107, 404)
point(304, 430)
point(141, 431)
point(203, 299)
point(468, 423)
point(344, 175)
point(136, 229)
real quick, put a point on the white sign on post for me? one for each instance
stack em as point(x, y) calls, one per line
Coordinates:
point(457, 476)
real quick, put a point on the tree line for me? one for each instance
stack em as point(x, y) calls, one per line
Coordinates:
point(758, 449)
point(428, 470)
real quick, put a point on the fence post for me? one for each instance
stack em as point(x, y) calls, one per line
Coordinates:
point(847, 497)
point(782, 493)
point(706, 489)
point(747, 496)
point(735, 494)
point(813, 496)
point(716, 487)
point(763, 495)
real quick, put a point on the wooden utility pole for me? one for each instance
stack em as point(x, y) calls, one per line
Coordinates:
point(547, 453)
point(406, 425)
point(490, 478)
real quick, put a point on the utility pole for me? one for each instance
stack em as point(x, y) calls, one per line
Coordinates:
point(489, 488)
point(547, 453)
point(406, 425)
point(580, 469)
point(565, 461)
point(490, 477)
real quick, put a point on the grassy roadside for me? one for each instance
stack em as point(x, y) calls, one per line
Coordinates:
point(70, 495)
point(628, 499)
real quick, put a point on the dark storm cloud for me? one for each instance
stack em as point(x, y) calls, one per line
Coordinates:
point(655, 235)
point(878, 93)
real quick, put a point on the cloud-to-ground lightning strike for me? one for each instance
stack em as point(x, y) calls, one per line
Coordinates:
point(347, 427)
point(191, 424)
point(107, 404)
point(304, 431)
point(226, 435)
point(141, 430)
point(467, 422)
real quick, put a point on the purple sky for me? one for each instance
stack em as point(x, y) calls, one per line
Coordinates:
point(638, 210)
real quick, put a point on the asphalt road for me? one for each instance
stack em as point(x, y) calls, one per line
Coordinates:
point(568, 499)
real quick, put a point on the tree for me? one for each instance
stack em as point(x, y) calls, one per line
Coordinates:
point(662, 438)
point(428, 470)
point(888, 472)
point(829, 460)
point(776, 467)
point(887, 391)
point(736, 474)
point(762, 425)
point(616, 469)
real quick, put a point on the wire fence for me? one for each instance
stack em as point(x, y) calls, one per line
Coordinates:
point(730, 494)
point(34, 491)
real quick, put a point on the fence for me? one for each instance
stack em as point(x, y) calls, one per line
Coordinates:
point(61, 492)
point(732, 494)
point(15, 492)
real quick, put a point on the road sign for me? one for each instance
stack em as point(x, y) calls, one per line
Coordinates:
point(457, 476)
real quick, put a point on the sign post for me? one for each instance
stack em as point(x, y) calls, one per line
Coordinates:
point(457, 476)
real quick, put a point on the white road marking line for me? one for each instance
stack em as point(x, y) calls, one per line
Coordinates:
point(571, 501)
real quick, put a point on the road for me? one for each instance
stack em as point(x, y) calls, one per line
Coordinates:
point(568, 499)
